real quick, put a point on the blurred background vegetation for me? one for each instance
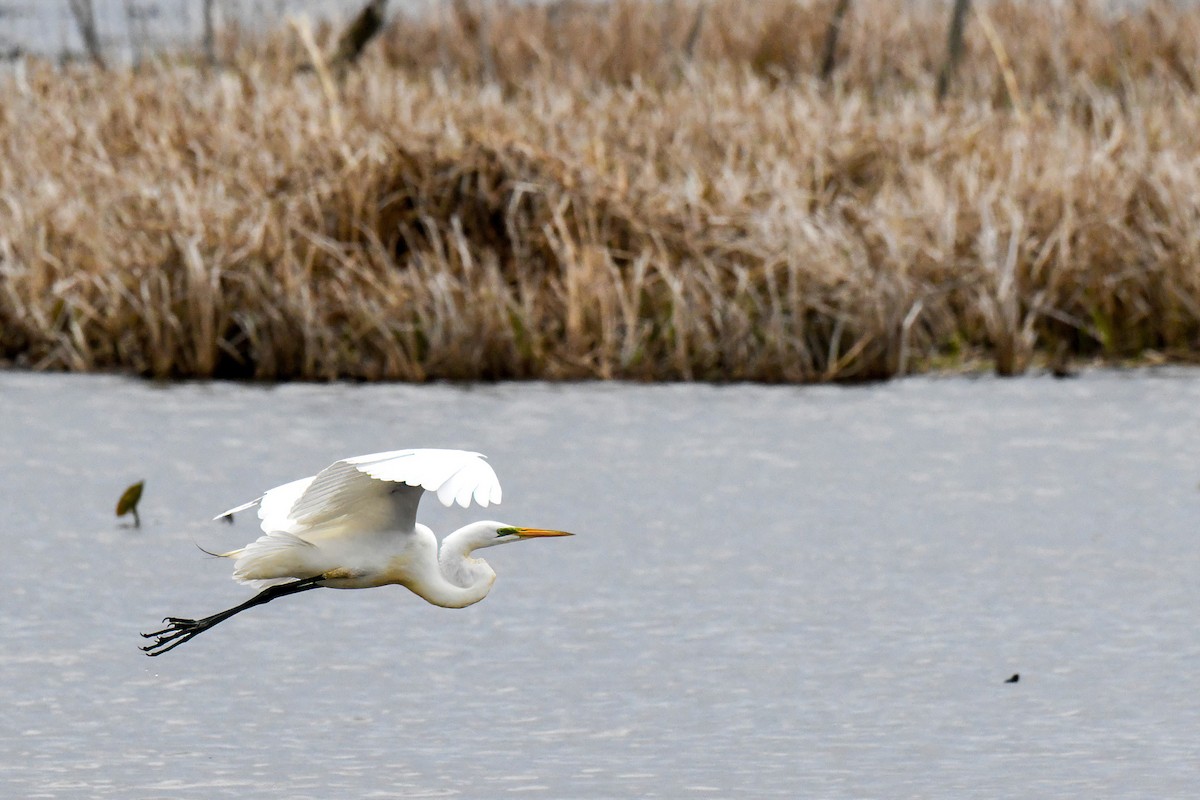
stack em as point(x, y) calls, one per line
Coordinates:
point(648, 189)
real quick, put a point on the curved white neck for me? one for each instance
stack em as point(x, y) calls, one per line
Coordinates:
point(458, 580)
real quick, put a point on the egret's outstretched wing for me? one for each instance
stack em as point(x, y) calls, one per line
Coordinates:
point(359, 483)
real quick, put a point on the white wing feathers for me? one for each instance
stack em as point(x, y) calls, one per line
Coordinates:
point(454, 475)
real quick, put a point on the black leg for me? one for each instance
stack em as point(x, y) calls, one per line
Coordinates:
point(180, 630)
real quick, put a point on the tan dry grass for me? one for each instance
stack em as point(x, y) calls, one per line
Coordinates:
point(488, 197)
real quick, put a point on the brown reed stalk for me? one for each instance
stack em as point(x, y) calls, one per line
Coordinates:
point(1002, 61)
point(85, 20)
point(693, 34)
point(209, 35)
point(832, 33)
point(954, 46)
point(357, 34)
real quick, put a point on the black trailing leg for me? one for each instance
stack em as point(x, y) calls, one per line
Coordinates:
point(180, 630)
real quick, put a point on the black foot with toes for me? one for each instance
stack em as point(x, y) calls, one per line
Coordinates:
point(178, 631)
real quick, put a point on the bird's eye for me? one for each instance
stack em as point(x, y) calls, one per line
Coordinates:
point(505, 532)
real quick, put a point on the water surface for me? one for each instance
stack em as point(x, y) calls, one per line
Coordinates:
point(776, 591)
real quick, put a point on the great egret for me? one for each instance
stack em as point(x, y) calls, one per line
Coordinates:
point(354, 525)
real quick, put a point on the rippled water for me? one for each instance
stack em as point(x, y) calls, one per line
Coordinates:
point(798, 592)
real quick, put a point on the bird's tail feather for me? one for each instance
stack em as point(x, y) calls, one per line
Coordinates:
point(273, 558)
point(230, 554)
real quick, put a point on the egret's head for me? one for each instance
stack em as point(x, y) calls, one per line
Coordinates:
point(494, 533)
point(455, 559)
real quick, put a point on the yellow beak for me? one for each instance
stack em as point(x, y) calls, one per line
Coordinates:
point(529, 533)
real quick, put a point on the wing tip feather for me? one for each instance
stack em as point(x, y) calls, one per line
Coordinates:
point(236, 509)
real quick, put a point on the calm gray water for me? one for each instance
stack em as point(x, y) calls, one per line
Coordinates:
point(794, 592)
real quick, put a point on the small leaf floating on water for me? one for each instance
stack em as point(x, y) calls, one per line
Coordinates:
point(1016, 677)
point(129, 502)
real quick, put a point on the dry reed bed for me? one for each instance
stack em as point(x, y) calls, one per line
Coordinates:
point(487, 198)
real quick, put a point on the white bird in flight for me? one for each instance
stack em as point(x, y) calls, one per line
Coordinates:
point(354, 525)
